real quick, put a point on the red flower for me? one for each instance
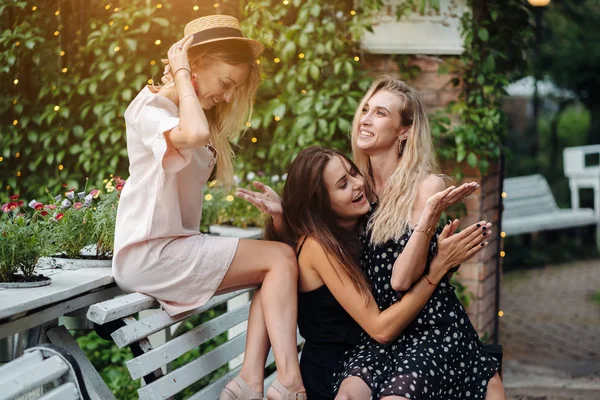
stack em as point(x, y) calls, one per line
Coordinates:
point(39, 206)
point(64, 185)
point(44, 213)
point(60, 216)
point(77, 206)
point(20, 203)
point(12, 205)
point(14, 197)
point(120, 186)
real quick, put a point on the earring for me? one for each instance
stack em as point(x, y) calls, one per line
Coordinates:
point(401, 144)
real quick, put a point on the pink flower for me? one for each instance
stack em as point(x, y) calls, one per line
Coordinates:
point(50, 206)
point(5, 208)
point(77, 205)
point(94, 192)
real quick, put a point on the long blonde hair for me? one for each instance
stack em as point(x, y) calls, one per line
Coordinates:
point(416, 161)
point(227, 121)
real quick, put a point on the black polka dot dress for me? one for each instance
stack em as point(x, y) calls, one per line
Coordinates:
point(439, 356)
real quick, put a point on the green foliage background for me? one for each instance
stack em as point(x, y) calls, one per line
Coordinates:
point(62, 120)
point(78, 65)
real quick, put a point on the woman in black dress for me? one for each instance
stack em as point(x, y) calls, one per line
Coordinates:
point(439, 356)
point(323, 201)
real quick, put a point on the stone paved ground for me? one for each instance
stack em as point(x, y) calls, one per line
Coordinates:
point(551, 332)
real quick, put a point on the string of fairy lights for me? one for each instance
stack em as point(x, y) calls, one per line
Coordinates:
point(157, 42)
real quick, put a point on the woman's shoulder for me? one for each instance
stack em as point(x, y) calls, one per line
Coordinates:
point(430, 185)
point(149, 102)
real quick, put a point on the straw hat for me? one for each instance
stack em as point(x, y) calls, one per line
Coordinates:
point(216, 28)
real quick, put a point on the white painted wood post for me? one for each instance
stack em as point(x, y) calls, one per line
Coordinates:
point(238, 329)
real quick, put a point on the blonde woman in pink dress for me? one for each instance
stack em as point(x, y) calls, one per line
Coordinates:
point(176, 135)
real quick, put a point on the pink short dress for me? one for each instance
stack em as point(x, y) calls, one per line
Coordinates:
point(159, 249)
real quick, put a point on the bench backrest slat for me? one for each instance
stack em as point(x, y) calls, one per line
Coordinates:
point(171, 350)
point(160, 320)
point(120, 307)
point(68, 391)
point(20, 364)
point(527, 195)
point(33, 377)
point(188, 374)
point(211, 392)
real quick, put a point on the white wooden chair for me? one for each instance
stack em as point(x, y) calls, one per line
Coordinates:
point(149, 362)
point(43, 366)
point(582, 176)
point(529, 206)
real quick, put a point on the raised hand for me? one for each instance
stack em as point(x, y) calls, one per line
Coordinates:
point(178, 55)
point(437, 203)
point(266, 200)
point(167, 75)
point(456, 248)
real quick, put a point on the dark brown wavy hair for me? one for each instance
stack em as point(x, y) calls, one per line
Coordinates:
point(307, 212)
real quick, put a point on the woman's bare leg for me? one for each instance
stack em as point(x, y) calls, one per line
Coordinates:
point(353, 388)
point(273, 266)
point(257, 346)
point(495, 389)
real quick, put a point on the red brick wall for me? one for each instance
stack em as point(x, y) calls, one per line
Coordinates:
point(479, 274)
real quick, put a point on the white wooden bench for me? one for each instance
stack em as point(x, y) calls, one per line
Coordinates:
point(43, 366)
point(149, 362)
point(529, 206)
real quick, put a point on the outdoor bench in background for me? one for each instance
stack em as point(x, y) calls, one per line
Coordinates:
point(529, 207)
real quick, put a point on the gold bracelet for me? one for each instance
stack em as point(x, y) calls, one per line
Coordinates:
point(428, 281)
point(187, 95)
point(429, 231)
point(184, 68)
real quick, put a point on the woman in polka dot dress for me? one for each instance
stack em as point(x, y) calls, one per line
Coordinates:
point(439, 356)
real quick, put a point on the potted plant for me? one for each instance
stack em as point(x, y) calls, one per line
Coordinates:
point(23, 240)
point(105, 216)
point(84, 236)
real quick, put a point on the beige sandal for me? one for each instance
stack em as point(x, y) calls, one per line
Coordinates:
point(246, 392)
point(286, 394)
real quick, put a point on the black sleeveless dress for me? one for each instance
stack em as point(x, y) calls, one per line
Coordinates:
point(329, 332)
point(438, 357)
